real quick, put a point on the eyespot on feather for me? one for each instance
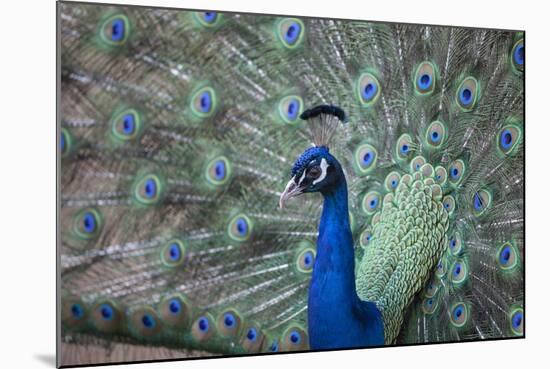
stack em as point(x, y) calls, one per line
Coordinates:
point(508, 139)
point(368, 89)
point(459, 314)
point(218, 171)
point(115, 30)
point(203, 328)
point(208, 18)
point(173, 253)
point(517, 56)
point(144, 321)
point(126, 125)
point(88, 223)
point(365, 157)
point(175, 311)
point(481, 202)
point(204, 102)
point(106, 316)
point(148, 189)
point(294, 339)
point(290, 108)
point(371, 202)
point(404, 147)
point(229, 323)
point(290, 32)
point(516, 321)
point(240, 228)
point(425, 78)
point(467, 93)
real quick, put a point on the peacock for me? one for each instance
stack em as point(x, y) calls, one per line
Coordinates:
point(239, 183)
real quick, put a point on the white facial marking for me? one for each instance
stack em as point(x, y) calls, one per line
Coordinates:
point(301, 178)
point(324, 166)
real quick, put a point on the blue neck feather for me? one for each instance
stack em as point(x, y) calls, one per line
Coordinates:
point(336, 316)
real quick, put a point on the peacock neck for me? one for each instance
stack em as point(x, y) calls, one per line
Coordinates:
point(333, 274)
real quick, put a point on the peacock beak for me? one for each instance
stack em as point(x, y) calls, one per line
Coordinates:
point(292, 190)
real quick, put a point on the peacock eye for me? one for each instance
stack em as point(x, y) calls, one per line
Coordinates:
point(203, 102)
point(459, 314)
point(291, 32)
point(126, 125)
point(314, 172)
point(516, 321)
point(467, 93)
point(115, 30)
point(425, 78)
point(207, 19)
point(518, 55)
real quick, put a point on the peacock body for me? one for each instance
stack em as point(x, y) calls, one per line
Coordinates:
point(180, 131)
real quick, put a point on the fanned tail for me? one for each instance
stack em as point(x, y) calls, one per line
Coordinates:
point(178, 132)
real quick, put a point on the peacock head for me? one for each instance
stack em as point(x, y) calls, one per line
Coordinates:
point(316, 170)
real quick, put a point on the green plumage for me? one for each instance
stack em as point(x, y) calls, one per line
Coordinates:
point(179, 130)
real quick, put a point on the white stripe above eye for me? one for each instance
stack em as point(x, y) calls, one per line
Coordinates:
point(324, 166)
point(302, 177)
